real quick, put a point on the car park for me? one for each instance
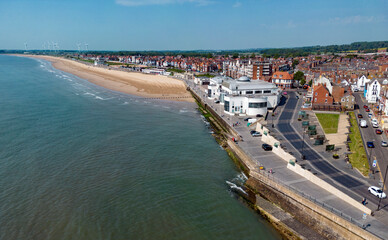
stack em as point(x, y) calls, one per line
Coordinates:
point(384, 144)
point(370, 145)
point(266, 147)
point(359, 115)
point(376, 191)
point(378, 131)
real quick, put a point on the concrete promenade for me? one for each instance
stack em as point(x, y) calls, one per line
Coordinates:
point(376, 224)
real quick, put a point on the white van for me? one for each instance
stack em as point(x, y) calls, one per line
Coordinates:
point(363, 123)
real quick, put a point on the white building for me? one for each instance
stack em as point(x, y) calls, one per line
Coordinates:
point(372, 91)
point(243, 96)
point(361, 81)
point(324, 81)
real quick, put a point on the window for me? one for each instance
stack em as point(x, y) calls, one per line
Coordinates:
point(280, 76)
point(316, 94)
point(325, 100)
point(226, 106)
point(249, 92)
point(315, 100)
point(258, 92)
point(326, 94)
point(267, 91)
point(343, 100)
point(257, 105)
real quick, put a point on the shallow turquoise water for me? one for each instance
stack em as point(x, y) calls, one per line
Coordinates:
point(81, 162)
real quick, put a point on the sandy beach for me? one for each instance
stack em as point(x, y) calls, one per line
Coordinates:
point(139, 84)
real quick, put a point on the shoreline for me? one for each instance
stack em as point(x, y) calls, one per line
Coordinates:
point(133, 83)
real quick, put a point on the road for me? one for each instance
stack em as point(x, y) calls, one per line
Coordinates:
point(378, 153)
point(350, 185)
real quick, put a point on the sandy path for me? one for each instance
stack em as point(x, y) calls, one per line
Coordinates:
point(139, 84)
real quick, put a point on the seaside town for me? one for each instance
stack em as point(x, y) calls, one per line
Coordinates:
point(330, 80)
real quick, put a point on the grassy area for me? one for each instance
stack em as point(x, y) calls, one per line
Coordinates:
point(176, 70)
point(358, 157)
point(205, 75)
point(114, 63)
point(329, 122)
point(86, 60)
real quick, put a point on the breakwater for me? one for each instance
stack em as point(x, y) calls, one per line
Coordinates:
point(301, 218)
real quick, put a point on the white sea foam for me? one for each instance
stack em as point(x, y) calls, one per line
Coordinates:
point(235, 187)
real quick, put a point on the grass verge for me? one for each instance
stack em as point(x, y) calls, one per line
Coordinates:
point(329, 122)
point(358, 157)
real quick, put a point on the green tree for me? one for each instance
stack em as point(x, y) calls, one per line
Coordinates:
point(253, 55)
point(311, 83)
point(235, 55)
point(299, 76)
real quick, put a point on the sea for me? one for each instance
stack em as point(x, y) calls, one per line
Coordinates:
point(78, 161)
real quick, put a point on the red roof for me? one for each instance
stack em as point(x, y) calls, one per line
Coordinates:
point(281, 75)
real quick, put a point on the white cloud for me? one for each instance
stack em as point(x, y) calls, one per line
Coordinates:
point(134, 3)
point(237, 4)
point(355, 20)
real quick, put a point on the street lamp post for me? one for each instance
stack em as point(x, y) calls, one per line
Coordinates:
point(303, 157)
point(385, 178)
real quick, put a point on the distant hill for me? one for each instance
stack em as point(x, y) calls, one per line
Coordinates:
point(356, 47)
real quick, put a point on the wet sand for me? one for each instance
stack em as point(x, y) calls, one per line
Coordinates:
point(139, 84)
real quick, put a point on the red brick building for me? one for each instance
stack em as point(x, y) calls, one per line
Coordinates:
point(321, 95)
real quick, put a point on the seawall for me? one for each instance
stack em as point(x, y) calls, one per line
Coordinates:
point(300, 216)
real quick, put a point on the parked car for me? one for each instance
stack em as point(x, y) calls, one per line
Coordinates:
point(359, 115)
point(384, 144)
point(375, 125)
point(367, 110)
point(246, 119)
point(363, 124)
point(377, 192)
point(217, 101)
point(365, 106)
point(255, 134)
point(370, 115)
point(374, 120)
point(378, 131)
point(370, 145)
point(266, 147)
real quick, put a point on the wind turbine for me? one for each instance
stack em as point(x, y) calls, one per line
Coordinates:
point(86, 46)
point(56, 46)
point(79, 47)
point(44, 46)
point(25, 46)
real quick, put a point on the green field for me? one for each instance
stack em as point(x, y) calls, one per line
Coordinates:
point(329, 122)
point(358, 157)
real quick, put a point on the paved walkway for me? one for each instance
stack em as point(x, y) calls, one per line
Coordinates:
point(339, 138)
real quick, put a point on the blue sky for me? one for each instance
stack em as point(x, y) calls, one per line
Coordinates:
point(190, 24)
